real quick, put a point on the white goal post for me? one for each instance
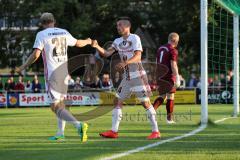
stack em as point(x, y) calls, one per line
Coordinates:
point(204, 62)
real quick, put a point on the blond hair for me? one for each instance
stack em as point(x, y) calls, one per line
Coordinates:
point(173, 37)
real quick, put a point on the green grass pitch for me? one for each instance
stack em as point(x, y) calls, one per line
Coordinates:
point(24, 135)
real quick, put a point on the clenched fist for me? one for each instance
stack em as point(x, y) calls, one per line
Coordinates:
point(94, 43)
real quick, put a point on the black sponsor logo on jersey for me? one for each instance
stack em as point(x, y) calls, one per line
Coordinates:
point(124, 45)
point(119, 90)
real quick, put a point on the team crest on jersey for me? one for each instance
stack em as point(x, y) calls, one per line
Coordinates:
point(119, 90)
point(125, 45)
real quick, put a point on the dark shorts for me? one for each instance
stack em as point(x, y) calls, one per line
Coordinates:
point(166, 85)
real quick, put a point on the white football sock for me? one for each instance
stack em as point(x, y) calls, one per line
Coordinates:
point(61, 126)
point(151, 113)
point(64, 114)
point(116, 118)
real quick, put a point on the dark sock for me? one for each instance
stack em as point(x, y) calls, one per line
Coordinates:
point(169, 108)
point(159, 101)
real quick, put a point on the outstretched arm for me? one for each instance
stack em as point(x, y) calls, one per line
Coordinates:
point(31, 59)
point(102, 51)
point(82, 43)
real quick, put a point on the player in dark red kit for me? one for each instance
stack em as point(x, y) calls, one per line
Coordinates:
point(167, 75)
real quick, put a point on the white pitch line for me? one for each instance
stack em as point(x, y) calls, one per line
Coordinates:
point(139, 149)
point(223, 119)
point(199, 129)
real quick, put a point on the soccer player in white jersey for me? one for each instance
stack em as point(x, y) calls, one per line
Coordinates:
point(52, 44)
point(134, 80)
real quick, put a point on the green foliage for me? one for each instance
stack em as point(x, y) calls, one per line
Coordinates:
point(96, 19)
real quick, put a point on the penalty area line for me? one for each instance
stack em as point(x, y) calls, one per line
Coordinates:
point(139, 149)
point(223, 119)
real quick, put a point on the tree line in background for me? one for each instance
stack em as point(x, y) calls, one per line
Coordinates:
point(96, 19)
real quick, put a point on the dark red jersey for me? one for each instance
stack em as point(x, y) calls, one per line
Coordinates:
point(165, 55)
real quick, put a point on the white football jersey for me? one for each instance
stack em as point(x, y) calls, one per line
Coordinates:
point(126, 49)
point(53, 43)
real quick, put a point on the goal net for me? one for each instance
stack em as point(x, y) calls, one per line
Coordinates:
point(219, 54)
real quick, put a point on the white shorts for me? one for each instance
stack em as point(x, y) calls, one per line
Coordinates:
point(56, 90)
point(137, 86)
point(55, 96)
